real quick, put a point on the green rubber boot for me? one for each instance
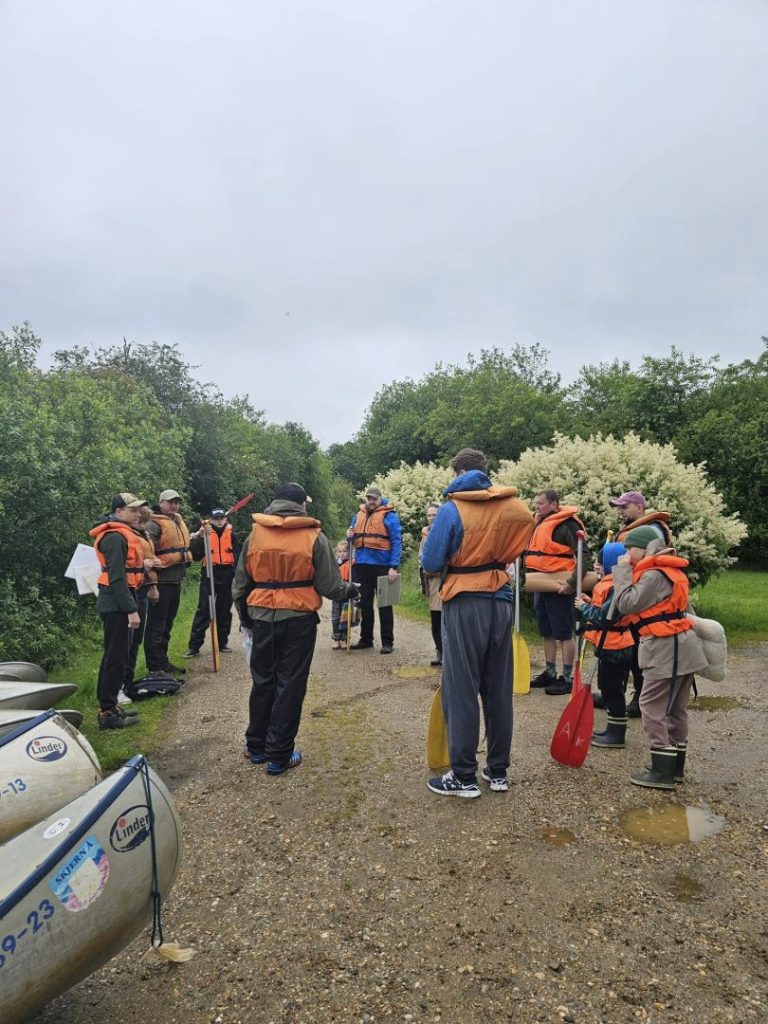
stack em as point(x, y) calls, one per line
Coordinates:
point(614, 735)
point(682, 749)
point(662, 772)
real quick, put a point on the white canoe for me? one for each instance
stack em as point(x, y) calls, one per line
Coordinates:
point(22, 670)
point(10, 720)
point(33, 696)
point(44, 763)
point(78, 886)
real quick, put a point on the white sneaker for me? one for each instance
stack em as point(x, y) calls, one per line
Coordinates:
point(498, 784)
point(123, 698)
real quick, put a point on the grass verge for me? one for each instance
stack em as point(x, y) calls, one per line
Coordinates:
point(739, 600)
point(115, 746)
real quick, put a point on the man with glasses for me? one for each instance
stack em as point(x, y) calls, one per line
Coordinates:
point(171, 538)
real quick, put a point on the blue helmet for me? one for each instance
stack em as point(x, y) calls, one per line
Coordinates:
point(610, 555)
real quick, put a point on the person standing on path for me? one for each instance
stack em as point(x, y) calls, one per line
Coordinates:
point(377, 537)
point(651, 595)
point(430, 587)
point(634, 511)
point(225, 550)
point(477, 532)
point(170, 535)
point(146, 594)
point(284, 571)
point(553, 549)
point(121, 557)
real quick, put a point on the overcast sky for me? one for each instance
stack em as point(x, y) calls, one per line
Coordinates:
point(316, 197)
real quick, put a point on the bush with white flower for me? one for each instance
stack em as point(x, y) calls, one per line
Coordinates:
point(587, 472)
point(410, 489)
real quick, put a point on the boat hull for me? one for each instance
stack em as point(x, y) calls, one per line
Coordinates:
point(44, 763)
point(22, 670)
point(77, 887)
point(33, 696)
point(12, 719)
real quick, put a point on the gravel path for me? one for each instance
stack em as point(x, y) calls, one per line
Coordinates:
point(345, 892)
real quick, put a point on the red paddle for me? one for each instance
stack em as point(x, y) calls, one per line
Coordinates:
point(570, 742)
point(240, 504)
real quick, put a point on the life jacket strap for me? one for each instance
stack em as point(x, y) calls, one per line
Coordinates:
point(283, 584)
point(461, 570)
point(171, 551)
point(548, 554)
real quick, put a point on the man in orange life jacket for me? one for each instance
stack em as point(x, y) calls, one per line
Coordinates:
point(121, 556)
point(651, 593)
point(285, 569)
point(477, 532)
point(377, 537)
point(225, 549)
point(634, 511)
point(170, 535)
point(553, 549)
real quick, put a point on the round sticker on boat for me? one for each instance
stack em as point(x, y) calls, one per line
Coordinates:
point(131, 828)
point(81, 879)
point(46, 748)
point(56, 828)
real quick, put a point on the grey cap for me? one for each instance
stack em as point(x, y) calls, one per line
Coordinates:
point(169, 495)
point(373, 492)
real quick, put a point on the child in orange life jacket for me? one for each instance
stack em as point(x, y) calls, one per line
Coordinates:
point(339, 611)
point(651, 590)
point(613, 643)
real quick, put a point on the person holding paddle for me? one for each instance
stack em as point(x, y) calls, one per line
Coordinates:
point(477, 532)
point(651, 595)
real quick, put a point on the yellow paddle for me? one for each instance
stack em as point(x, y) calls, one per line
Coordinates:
point(521, 657)
point(437, 736)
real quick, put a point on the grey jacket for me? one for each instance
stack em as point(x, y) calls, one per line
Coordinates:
point(327, 582)
point(656, 653)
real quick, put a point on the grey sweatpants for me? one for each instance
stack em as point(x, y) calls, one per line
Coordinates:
point(477, 660)
point(663, 727)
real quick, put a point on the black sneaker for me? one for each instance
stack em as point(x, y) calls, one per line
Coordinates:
point(192, 653)
point(225, 648)
point(174, 670)
point(541, 680)
point(116, 718)
point(387, 648)
point(362, 645)
point(437, 660)
point(559, 687)
point(449, 785)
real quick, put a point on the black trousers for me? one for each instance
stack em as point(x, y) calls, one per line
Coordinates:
point(137, 635)
point(222, 584)
point(280, 660)
point(160, 619)
point(117, 642)
point(612, 679)
point(637, 673)
point(437, 627)
point(366, 576)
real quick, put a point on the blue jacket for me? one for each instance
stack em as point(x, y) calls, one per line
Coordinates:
point(447, 533)
point(370, 556)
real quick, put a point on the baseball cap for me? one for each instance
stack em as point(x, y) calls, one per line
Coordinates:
point(216, 512)
point(629, 498)
point(293, 492)
point(126, 500)
point(373, 492)
point(169, 495)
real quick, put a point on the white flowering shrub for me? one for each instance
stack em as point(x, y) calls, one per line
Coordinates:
point(410, 489)
point(589, 472)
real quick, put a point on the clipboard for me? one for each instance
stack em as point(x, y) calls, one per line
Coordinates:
point(388, 593)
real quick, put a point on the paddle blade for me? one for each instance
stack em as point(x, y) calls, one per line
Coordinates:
point(437, 736)
point(570, 743)
point(521, 661)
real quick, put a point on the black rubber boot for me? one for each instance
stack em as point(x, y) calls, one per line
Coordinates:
point(633, 708)
point(614, 735)
point(662, 771)
point(682, 749)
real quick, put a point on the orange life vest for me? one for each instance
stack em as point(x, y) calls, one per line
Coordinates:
point(369, 529)
point(344, 570)
point(667, 617)
point(544, 554)
point(497, 526)
point(148, 549)
point(279, 561)
point(222, 551)
point(661, 519)
point(134, 557)
point(172, 546)
point(613, 637)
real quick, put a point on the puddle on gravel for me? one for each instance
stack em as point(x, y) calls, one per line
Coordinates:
point(686, 889)
point(714, 704)
point(671, 824)
point(415, 672)
point(558, 836)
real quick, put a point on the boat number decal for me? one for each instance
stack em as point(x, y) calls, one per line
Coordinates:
point(35, 918)
point(46, 748)
point(82, 879)
point(11, 787)
point(55, 828)
point(131, 828)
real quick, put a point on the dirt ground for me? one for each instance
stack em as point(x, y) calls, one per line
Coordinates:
point(344, 891)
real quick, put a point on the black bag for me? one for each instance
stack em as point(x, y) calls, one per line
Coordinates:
point(152, 686)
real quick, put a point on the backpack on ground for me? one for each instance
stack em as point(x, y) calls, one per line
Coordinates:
point(152, 686)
